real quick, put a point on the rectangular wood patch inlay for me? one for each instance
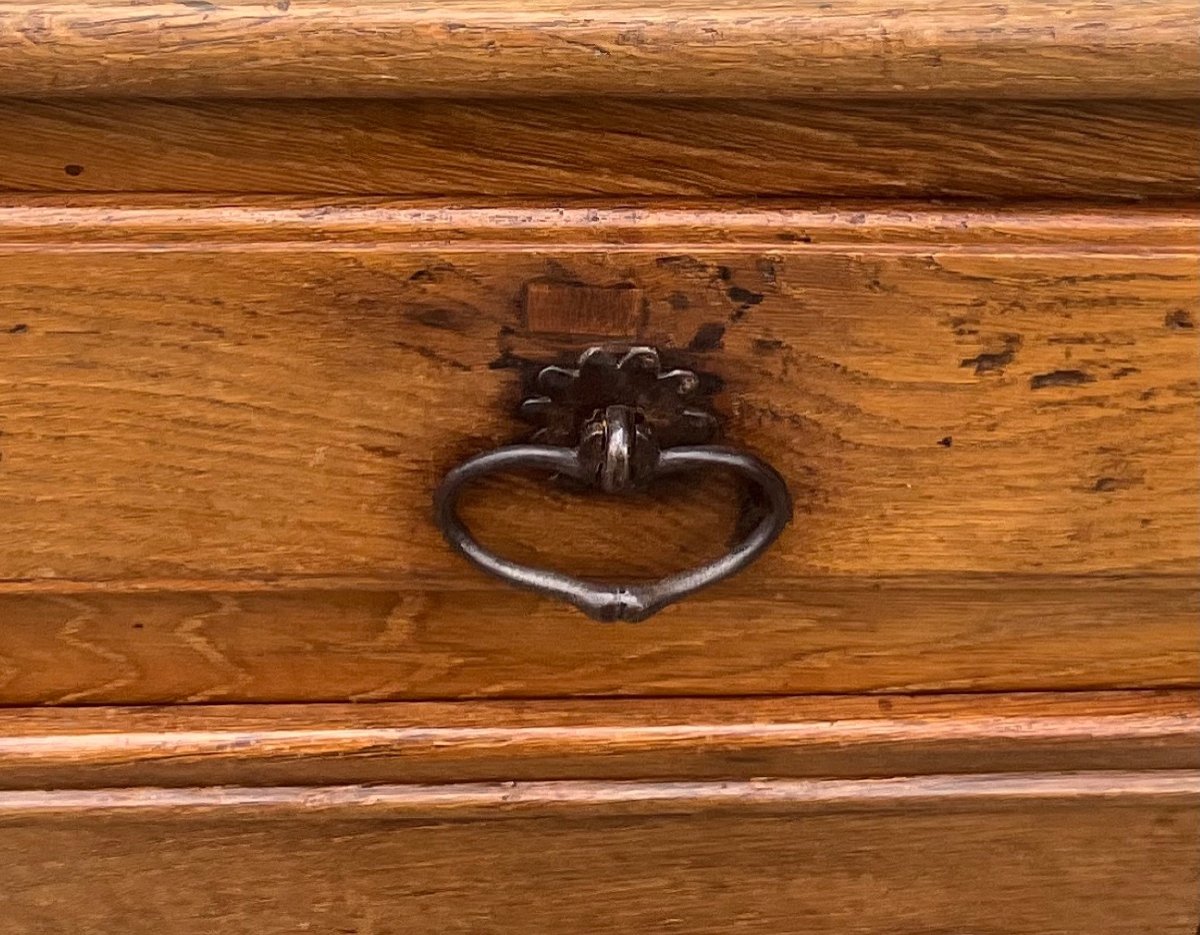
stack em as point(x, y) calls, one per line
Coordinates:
point(577, 309)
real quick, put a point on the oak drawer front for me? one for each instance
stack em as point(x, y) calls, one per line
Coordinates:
point(1019, 814)
point(1030, 854)
point(222, 428)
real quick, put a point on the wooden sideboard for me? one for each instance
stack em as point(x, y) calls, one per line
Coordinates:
point(269, 272)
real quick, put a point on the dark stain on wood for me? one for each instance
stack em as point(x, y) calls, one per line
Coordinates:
point(994, 361)
point(1179, 320)
point(708, 337)
point(1060, 378)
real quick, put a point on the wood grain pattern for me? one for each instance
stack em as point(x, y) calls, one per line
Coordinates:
point(573, 308)
point(222, 415)
point(274, 408)
point(722, 48)
point(80, 223)
point(723, 739)
point(81, 646)
point(1091, 854)
point(987, 419)
point(1099, 150)
point(507, 800)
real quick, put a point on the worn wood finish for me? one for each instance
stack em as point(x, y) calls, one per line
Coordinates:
point(722, 739)
point(723, 48)
point(980, 414)
point(270, 408)
point(268, 270)
point(80, 223)
point(607, 799)
point(1090, 854)
point(83, 646)
point(1099, 150)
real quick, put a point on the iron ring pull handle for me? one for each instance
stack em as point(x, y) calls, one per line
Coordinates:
point(614, 469)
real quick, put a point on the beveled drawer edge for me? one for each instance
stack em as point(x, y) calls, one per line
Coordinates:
point(134, 221)
point(666, 740)
point(491, 800)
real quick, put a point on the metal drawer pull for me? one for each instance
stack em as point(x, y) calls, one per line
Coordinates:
point(618, 450)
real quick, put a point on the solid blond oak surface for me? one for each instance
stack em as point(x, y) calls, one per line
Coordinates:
point(1019, 854)
point(551, 148)
point(718, 739)
point(722, 48)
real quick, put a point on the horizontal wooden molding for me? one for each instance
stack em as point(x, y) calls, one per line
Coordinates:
point(726, 48)
point(687, 739)
point(82, 222)
point(1109, 853)
point(489, 801)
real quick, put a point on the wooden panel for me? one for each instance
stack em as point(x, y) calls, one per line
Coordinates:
point(487, 47)
point(1026, 854)
point(1101, 150)
point(984, 419)
point(83, 646)
point(262, 408)
point(845, 736)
